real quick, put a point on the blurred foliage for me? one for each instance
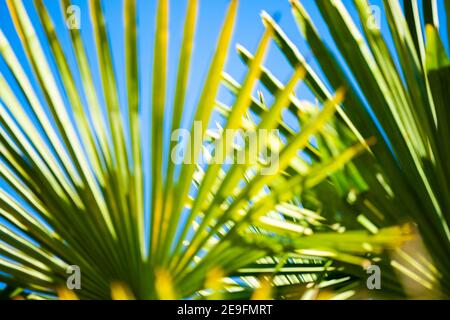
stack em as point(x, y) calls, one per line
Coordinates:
point(349, 192)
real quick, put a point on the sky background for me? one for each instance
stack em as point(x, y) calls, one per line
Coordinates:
point(248, 31)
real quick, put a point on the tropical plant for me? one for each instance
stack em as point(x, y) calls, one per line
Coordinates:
point(74, 181)
point(406, 89)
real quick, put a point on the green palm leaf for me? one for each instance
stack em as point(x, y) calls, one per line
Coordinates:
point(404, 89)
point(76, 190)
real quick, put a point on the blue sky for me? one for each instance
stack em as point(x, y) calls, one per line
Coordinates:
point(248, 31)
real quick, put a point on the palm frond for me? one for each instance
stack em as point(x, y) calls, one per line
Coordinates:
point(404, 177)
point(74, 190)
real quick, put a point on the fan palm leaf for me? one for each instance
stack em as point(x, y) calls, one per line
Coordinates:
point(398, 95)
point(74, 194)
